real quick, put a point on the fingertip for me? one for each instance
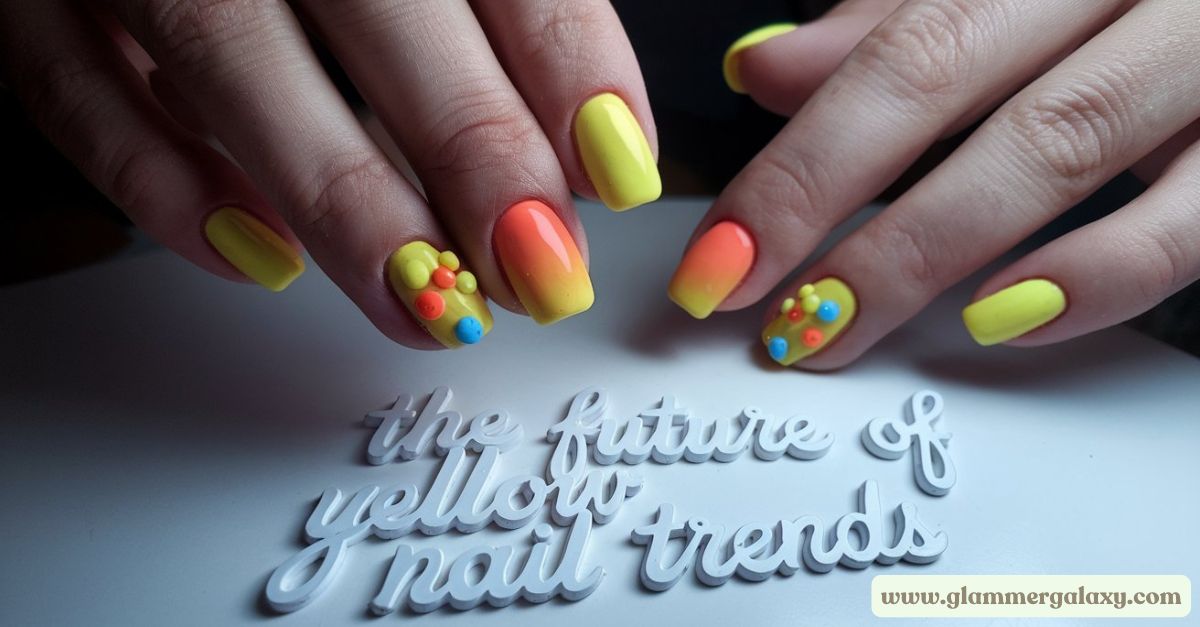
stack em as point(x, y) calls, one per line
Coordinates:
point(731, 61)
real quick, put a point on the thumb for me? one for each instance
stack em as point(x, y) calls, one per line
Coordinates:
point(780, 67)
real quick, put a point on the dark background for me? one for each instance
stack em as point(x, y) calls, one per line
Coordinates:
point(55, 221)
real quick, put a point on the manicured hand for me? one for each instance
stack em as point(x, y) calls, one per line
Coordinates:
point(1069, 93)
point(501, 108)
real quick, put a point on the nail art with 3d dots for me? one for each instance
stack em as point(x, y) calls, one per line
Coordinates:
point(809, 320)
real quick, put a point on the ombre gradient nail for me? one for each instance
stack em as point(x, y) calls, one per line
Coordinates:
point(712, 268)
point(542, 262)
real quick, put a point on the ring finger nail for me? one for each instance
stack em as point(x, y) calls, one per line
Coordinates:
point(440, 293)
point(1014, 311)
point(809, 320)
point(253, 248)
point(615, 153)
point(542, 263)
point(712, 268)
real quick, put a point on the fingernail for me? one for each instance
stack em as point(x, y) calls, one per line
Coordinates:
point(730, 65)
point(542, 263)
point(615, 153)
point(253, 248)
point(1014, 311)
point(712, 268)
point(442, 295)
point(809, 320)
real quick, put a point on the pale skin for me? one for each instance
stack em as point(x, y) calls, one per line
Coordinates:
point(1067, 95)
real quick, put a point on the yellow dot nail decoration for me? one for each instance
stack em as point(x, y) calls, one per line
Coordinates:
point(467, 283)
point(811, 303)
point(806, 290)
point(448, 259)
point(787, 305)
point(416, 274)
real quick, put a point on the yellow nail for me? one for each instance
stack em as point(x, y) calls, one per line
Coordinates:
point(1014, 311)
point(818, 313)
point(253, 248)
point(615, 153)
point(442, 294)
point(750, 39)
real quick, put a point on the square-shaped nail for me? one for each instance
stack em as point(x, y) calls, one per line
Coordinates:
point(253, 248)
point(542, 262)
point(615, 153)
point(711, 269)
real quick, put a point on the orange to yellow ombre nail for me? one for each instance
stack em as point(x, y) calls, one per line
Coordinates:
point(712, 268)
point(542, 262)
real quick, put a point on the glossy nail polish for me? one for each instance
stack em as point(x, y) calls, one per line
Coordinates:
point(730, 65)
point(253, 248)
point(442, 295)
point(542, 262)
point(712, 268)
point(615, 153)
point(1014, 311)
point(809, 320)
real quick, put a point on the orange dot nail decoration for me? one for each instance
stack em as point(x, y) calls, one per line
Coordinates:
point(812, 338)
point(443, 277)
point(430, 305)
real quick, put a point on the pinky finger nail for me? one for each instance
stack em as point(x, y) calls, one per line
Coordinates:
point(253, 248)
point(1014, 311)
point(442, 295)
point(809, 320)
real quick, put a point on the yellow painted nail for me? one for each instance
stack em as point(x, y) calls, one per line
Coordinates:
point(1014, 311)
point(443, 299)
point(753, 38)
point(615, 153)
point(797, 333)
point(253, 248)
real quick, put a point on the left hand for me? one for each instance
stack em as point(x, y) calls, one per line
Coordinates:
point(1085, 90)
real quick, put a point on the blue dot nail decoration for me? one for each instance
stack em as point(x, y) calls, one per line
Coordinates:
point(468, 330)
point(828, 311)
point(777, 348)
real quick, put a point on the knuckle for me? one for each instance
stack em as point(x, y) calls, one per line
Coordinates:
point(926, 52)
point(346, 183)
point(130, 173)
point(186, 30)
point(487, 129)
point(1169, 263)
point(563, 29)
point(915, 250)
point(58, 92)
point(792, 186)
point(1073, 130)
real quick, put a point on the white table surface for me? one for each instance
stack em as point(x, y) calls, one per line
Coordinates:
point(164, 435)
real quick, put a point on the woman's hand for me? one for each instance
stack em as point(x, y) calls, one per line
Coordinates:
point(1073, 93)
point(492, 103)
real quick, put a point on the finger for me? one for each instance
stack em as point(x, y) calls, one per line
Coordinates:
point(925, 66)
point(87, 98)
point(1046, 149)
point(473, 143)
point(780, 67)
point(1104, 273)
point(257, 84)
point(1154, 164)
point(574, 65)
